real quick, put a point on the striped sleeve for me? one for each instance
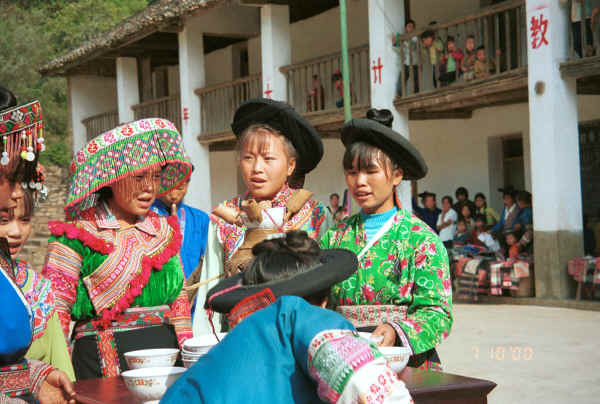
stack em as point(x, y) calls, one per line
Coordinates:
point(62, 267)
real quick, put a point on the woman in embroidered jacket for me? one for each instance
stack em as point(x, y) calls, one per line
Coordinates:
point(115, 267)
point(277, 148)
point(402, 287)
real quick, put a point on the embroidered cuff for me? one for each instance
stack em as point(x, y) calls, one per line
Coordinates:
point(402, 338)
point(37, 374)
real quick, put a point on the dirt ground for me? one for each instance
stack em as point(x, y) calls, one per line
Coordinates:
point(534, 354)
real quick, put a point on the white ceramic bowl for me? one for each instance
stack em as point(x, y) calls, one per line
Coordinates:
point(188, 363)
point(397, 356)
point(151, 358)
point(202, 344)
point(150, 384)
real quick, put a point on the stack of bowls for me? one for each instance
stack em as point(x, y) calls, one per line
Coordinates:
point(195, 348)
point(151, 373)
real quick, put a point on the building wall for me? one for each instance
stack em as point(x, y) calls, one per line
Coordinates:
point(219, 66)
point(320, 35)
point(223, 168)
point(89, 96)
point(328, 177)
point(254, 56)
point(465, 152)
point(425, 11)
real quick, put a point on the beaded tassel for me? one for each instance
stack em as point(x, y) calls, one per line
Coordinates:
point(5, 160)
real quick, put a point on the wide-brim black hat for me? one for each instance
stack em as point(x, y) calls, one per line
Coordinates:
point(336, 265)
point(396, 146)
point(285, 119)
point(508, 190)
point(426, 194)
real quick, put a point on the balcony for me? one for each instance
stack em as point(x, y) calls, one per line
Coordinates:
point(584, 56)
point(97, 124)
point(433, 85)
point(166, 107)
point(218, 104)
point(312, 91)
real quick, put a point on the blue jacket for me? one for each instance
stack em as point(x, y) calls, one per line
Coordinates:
point(428, 216)
point(194, 228)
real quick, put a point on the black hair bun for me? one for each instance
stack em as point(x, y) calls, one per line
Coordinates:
point(295, 242)
point(7, 98)
point(383, 116)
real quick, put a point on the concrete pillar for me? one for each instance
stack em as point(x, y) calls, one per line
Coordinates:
point(128, 92)
point(276, 49)
point(88, 96)
point(191, 77)
point(554, 143)
point(385, 68)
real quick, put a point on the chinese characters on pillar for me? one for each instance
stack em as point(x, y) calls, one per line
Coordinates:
point(268, 91)
point(377, 68)
point(538, 28)
point(186, 114)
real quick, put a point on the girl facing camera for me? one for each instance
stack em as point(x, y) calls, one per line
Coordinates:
point(401, 290)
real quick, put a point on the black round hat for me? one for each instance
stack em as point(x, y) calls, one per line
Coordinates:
point(396, 146)
point(285, 119)
point(335, 266)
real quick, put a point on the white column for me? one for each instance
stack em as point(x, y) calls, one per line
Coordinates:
point(127, 88)
point(385, 68)
point(88, 96)
point(276, 49)
point(554, 142)
point(191, 77)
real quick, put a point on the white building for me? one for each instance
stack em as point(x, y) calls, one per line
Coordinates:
point(195, 62)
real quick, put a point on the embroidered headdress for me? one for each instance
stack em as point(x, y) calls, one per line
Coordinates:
point(21, 140)
point(125, 151)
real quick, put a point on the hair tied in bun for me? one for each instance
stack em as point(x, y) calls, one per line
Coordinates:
point(382, 116)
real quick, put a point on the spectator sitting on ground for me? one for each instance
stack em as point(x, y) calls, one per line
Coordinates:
point(335, 212)
point(509, 213)
point(512, 244)
point(482, 208)
point(451, 63)
point(468, 64)
point(479, 227)
point(525, 217)
point(466, 213)
point(429, 212)
point(483, 66)
point(446, 223)
point(462, 198)
point(462, 234)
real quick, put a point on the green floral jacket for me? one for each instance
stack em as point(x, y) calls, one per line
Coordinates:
point(408, 266)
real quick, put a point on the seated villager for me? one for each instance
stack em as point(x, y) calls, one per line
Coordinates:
point(461, 237)
point(446, 224)
point(194, 229)
point(429, 213)
point(482, 208)
point(48, 341)
point(285, 347)
point(277, 148)
point(509, 213)
point(462, 198)
point(114, 265)
point(21, 380)
point(402, 289)
point(466, 214)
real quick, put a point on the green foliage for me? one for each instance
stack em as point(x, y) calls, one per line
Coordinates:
point(35, 31)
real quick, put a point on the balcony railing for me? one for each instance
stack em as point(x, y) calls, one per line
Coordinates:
point(166, 107)
point(219, 102)
point(498, 34)
point(97, 124)
point(310, 84)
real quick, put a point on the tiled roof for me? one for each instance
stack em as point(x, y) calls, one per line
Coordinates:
point(159, 14)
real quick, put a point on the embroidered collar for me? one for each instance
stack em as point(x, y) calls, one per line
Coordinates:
point(106, 220)
point(280, 198)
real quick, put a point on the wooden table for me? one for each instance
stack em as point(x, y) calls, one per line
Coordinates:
point(426, 387)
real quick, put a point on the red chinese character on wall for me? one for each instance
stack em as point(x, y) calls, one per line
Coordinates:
point(538, 28)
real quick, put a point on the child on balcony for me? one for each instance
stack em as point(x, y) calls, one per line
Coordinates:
point(483, 66)
point(409, 58)
point(433, 49)
point(450, 64)
point(468, 64)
